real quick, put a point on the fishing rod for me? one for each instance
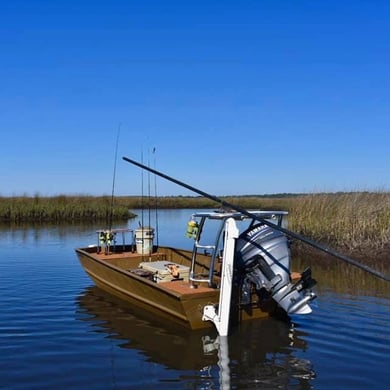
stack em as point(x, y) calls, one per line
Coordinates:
point(113, 178)
point(155, 198)
point(142, 193)
point(149, 194)
point(243, 211)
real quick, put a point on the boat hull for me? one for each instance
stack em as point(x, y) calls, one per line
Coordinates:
point(176, 300)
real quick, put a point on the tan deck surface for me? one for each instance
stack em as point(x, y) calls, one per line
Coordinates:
point(178, 286)
point(185, 288)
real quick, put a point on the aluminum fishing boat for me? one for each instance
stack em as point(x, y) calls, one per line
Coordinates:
point(239, 269)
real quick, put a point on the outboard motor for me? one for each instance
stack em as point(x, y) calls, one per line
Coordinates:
point(263, 258)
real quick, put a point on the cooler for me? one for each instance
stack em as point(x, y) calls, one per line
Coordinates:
point(166, 271)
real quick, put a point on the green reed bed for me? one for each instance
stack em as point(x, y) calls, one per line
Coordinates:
point(59, 209)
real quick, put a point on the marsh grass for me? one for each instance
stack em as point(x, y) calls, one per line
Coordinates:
point(352, 222)
point(59, 209)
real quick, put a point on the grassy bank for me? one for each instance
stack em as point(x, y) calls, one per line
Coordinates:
point(349, 221)
point(60, 209)
point(352, 222)
point(358, 221)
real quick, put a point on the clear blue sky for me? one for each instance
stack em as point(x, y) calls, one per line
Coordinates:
point(237, 97)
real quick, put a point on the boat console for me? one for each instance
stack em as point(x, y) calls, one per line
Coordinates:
point(257, 253)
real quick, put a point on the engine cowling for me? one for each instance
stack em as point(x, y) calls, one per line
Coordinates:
point(262, 257)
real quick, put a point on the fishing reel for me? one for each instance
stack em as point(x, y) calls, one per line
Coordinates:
point(106, 237)
point(192, 229)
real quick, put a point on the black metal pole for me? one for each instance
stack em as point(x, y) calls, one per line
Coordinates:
point(266, 222)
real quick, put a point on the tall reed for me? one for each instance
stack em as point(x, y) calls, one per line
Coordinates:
point(352, 221)
point(59, 208)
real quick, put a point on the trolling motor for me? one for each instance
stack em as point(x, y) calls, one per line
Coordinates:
point(262, 259)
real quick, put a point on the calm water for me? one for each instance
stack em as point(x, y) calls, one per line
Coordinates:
point(59, 331)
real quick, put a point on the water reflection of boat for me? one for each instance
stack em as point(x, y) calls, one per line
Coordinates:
point(242, 273)
point(159, 340)
point(256, 350)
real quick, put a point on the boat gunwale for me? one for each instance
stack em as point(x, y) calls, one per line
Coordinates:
point(162, 287)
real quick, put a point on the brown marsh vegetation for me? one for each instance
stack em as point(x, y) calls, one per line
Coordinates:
point(353, 222)
point(62, 208)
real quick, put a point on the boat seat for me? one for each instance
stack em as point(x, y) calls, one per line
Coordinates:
point(142, 272)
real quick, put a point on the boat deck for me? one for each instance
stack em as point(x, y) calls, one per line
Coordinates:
point(178, 286)
point(185, 288)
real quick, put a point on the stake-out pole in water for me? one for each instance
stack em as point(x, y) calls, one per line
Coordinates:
point(266, 222)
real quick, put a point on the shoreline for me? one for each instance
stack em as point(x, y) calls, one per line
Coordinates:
point(355, 223)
